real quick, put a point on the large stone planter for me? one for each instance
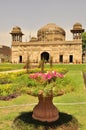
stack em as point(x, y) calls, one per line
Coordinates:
point(45, 116)
point(45, 110)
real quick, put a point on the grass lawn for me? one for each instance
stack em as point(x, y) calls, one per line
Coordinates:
point(9, 66)
point(8, 114)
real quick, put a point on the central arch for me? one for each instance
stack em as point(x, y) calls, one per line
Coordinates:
point(45, 56)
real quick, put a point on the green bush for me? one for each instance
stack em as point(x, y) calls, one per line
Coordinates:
point(6, 78)
point(6, 89)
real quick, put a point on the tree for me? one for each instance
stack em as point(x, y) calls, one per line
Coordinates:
point(41, 65)
point(27, 66)
point(51, 62)
point(84, 41)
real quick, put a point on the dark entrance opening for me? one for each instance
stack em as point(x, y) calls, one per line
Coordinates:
point(61, 58)
point(45, 56)
point(20, 59)
point(71, 58)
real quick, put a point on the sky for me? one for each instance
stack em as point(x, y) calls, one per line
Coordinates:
point(31, 15)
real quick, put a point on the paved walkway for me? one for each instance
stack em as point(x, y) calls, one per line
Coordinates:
point(10, 71)
point(62, 104)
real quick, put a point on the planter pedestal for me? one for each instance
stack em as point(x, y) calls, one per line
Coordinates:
point(45, 110)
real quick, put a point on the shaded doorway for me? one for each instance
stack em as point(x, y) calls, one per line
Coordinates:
point(71, 58)
point(61, 58)
point(20, 59)
point(45, 56)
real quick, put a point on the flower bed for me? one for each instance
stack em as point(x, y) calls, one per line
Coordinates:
point(34, 84)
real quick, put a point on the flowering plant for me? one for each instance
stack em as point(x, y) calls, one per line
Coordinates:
point(46, 77)
point(45, 83)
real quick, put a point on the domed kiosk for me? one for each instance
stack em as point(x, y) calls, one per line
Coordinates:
point(77, 31)
point(16, 34)
point(51, 32)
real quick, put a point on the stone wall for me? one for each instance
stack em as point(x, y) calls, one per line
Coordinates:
point(67, 49)
point(5, 54)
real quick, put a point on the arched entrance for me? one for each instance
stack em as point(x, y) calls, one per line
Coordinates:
point(45, 56)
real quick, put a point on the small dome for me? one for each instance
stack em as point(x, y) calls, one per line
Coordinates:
point(51, 32)
point(16, 30)
point(33, 39)
point(77, 26)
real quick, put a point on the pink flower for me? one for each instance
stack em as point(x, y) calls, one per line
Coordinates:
point(46, 76)
point(60, 75)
